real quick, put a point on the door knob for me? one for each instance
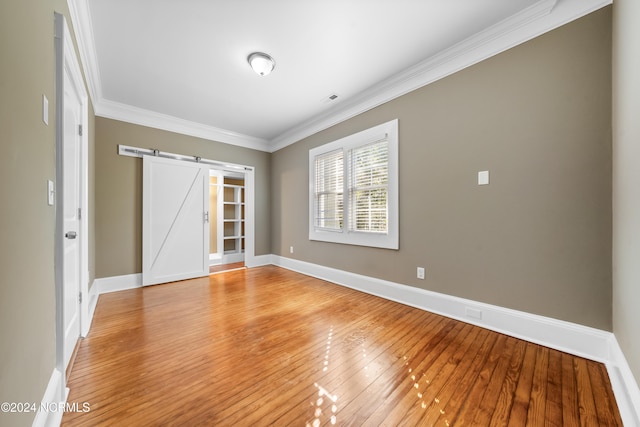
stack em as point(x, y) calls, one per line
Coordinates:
point(71, 235)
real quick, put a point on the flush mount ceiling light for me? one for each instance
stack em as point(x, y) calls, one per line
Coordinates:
point(261, 63)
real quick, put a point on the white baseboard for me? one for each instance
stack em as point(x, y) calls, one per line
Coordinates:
point(232, 258)
point(93, 299)
point(259, 261)
point(624, 385)
point(118, 283)
point(51, 403)
point(568, 337)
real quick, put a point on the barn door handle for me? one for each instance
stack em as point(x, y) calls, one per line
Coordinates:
point(71, 235)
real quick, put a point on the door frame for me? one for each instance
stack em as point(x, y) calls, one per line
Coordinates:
point(220, 256)
point(67, 62)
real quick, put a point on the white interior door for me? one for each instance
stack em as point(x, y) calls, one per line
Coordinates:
point(175, 220)
point(70, 210)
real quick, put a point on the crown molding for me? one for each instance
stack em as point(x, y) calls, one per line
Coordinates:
point(81, 24)
point(140, 116)
point(543, 16)
point(532, 22)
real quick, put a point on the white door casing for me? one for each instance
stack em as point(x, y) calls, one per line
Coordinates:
point(175, 223)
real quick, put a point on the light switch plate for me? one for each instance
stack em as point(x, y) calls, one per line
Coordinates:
point(45, 110)
point(51, 192)
point(483, 177)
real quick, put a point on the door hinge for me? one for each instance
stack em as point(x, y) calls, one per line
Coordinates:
point(80, 297)
point(80, 130)
point(206, 217)
point(79, 213)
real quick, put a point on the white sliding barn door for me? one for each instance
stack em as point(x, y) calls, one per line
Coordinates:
point(175, 220)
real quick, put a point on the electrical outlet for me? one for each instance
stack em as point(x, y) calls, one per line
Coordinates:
point(290, 249)
point(421, 273)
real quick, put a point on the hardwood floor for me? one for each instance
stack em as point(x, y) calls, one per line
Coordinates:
point(214, 269)
point(267, 346)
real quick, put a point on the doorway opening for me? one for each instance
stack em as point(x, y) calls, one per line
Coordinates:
point(227, 226)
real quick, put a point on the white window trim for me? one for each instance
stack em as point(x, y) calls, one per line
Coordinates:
point(389, 240)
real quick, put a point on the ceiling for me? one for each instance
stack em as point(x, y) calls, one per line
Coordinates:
point(182, 65)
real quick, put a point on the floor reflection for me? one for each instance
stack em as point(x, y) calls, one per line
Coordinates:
point(421, 385)
point(325, 404)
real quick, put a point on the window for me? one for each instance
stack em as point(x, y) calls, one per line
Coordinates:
point(353, 197)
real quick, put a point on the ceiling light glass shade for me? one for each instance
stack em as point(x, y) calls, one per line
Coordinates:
point(261, 63)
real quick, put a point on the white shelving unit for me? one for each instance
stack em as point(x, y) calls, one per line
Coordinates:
point(233, 222)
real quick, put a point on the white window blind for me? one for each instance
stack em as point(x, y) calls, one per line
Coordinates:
point(368, 187)
point(329, 190)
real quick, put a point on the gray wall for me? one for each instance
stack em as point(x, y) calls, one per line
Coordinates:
point(119, 189)
point(538, 238)
point(626, 180)
point(27, 223)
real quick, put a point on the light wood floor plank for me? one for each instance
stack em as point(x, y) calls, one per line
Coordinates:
point(570, 407)
point(522, 397)
point(467, 413)
point(588, 412)
point(267, 346)
point(491, 396)
point(457, 402)
point(553, 415)
point(502, 410)
point(608, 414)
point(375, 365)
point(425, 380)
point(434, 400)
point(538, 401)
point(385, 374)
point(404, 385)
